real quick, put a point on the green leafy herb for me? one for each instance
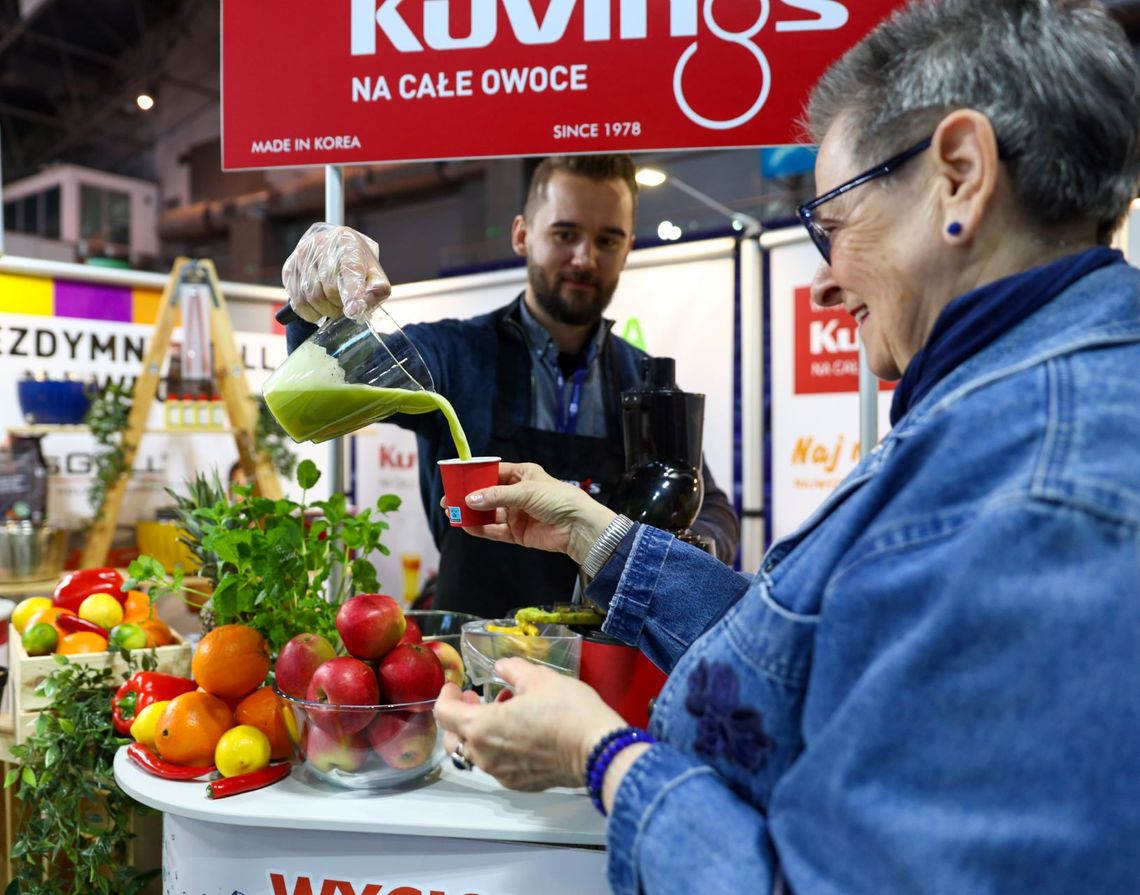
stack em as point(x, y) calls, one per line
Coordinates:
point(75, 822)
point(283, 567)
point(107, 419)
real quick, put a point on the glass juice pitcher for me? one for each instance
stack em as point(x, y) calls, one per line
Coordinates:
point(349, 374)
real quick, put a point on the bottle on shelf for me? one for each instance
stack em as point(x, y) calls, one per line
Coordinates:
point(202, 405)
point(189, 419)
point(172, 410)
point(217, 413)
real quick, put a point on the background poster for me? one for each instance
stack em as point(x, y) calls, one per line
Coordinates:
point(814, 387)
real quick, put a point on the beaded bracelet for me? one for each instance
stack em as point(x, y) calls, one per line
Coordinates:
point(603, 754)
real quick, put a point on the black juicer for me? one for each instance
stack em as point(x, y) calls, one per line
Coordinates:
point(662, 425)
point(662, 486)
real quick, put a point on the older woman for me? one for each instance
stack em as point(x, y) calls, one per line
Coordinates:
point(932, 686)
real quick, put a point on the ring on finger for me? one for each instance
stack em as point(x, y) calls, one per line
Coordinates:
point(461, 761)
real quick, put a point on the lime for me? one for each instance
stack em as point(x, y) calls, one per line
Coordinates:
point(26, 608)
point(103, 609)
point(127, 636)
point(145, 726)
point(40, 639)
point(240, 750)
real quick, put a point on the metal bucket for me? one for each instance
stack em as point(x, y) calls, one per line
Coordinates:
point(30, 552)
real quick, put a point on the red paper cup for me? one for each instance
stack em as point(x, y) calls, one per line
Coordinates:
point(460, 478)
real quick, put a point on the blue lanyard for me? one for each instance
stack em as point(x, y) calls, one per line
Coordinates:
point(568, 412)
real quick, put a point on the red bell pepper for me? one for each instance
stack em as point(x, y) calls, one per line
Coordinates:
point(140, 690)
point(77, 586)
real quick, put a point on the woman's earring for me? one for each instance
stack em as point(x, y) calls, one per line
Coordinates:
point(954, 228)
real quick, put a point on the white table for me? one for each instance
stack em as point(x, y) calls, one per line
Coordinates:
point(455, 833)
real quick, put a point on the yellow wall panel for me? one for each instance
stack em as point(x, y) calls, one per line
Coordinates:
point(27, 295)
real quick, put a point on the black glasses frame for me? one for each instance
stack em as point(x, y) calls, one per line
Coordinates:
point(806, 211)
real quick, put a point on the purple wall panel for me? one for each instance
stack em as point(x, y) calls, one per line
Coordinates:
point(93, 301)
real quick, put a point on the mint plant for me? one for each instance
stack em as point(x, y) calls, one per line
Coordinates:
point(275, 565)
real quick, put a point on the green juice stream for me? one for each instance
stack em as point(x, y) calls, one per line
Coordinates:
point(312, 406)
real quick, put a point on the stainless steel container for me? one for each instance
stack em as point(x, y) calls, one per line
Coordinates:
point(30, 552)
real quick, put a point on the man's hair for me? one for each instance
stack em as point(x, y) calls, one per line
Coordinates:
point(1056, 78)
point(595, 167)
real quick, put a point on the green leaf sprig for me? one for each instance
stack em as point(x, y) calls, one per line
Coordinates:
point(276, 565)
point(107, 420)
point(74, 826)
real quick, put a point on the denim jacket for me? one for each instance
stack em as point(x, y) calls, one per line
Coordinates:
point(932, 686)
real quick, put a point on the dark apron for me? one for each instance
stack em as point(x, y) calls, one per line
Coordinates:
point(491, 579)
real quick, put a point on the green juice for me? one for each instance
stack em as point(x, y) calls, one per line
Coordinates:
point(312, 402)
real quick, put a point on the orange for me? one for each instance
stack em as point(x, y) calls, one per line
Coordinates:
point(81, 642)
point(230, 701)
point(49, 615)
point(264, 710)
point(190, 727)
point(231, 661)
point(157, 631)
point(136, 606)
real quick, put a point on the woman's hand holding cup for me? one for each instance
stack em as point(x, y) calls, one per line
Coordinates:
point(540, 512)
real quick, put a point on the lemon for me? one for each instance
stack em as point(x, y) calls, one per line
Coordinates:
point(240, 750)
point(102, 609)
point(26, 608)
point(145, 726)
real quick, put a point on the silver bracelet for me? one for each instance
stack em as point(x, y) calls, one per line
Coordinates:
point(604, 547)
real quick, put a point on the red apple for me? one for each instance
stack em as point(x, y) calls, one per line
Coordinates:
point(412, 634)
point(370, 625)
point(450, 659)
point(342, 681)
point(410, 673)
point(403, 739)
point(329, 751)
point(297, 661)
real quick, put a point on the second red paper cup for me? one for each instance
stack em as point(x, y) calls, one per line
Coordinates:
point(460, 478)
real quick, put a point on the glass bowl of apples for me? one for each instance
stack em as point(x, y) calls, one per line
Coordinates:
point(366, 746)
point(364, 720)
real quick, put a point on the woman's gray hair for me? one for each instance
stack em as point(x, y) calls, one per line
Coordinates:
point(1056, 78)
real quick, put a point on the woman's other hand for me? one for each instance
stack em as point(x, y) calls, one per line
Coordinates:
point(538, 738)
point(541, 512)
point(334, 270)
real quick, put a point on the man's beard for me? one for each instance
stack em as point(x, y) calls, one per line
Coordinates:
point(583, 312)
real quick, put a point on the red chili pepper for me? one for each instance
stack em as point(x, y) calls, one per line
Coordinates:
point(140, 690)
point(75, 623)
point(151, 763)
point(75, 587)
point(232, 786)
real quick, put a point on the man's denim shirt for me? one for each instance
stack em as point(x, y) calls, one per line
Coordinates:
point(934, 685)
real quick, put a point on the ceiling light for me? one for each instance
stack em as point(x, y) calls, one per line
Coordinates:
point(668, 231)
point(144, 101)
point(650, 177)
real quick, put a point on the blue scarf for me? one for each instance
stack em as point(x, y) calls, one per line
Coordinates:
point(971, 321)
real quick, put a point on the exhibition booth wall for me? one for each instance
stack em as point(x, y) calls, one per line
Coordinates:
point(698, 302)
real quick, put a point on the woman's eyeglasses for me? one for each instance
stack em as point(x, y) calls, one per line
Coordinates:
point(807, 211)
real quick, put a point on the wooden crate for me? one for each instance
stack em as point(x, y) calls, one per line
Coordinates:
point(26, 672)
